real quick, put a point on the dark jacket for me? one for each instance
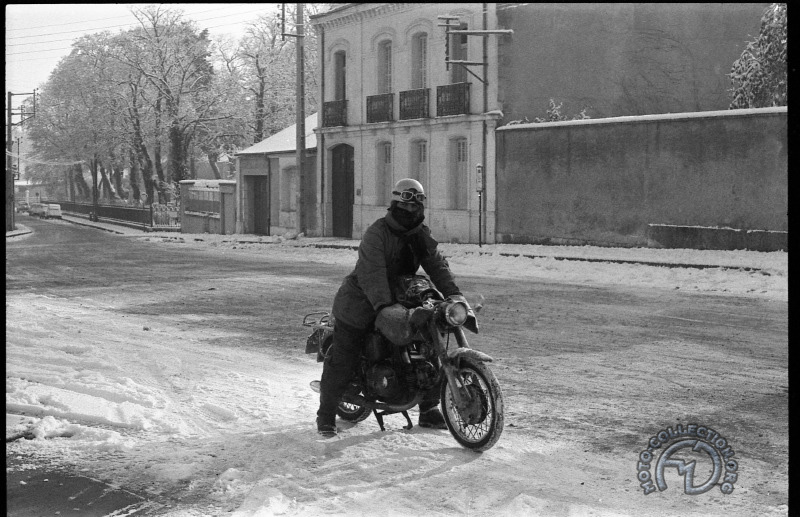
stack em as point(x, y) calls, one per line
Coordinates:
point(388, 251)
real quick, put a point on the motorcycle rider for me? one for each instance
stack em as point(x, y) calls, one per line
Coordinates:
point(394, 245)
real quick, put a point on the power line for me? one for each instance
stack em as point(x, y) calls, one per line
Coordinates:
point(130, 24)
point(127, 25)
point(85, 21)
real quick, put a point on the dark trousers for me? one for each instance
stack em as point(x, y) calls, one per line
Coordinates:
point(339, 367)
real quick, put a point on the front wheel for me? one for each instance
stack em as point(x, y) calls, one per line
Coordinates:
point(479, 425)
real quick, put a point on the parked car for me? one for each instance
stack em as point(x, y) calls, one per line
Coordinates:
point(22, 206)
point(36, 209)
point(52, 210)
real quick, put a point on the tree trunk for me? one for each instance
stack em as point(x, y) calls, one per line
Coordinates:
point(84, 190)
point(105, 185)
point(177, 153)
point(142, 156)
point(116, 176)
point(212, 160)
point(133, 178)
point(159, 168)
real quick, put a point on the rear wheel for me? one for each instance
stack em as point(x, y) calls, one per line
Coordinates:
point(352, 412)
point(477, 426)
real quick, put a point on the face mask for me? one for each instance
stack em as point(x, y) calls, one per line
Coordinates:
point(407, 219)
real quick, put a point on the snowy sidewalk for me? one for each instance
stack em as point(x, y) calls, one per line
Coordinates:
point(674, 258)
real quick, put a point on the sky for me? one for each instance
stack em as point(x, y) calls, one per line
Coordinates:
point(235, 421)
point(37, 36)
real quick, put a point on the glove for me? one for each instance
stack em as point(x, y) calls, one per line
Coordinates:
point(392, 321)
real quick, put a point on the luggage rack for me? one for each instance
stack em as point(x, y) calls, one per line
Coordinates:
point(318, 320)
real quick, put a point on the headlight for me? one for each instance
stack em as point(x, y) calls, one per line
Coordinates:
point(456, 314)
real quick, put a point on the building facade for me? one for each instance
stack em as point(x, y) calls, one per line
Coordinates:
point(392, 108)
point(418, 90)
point(268, 184)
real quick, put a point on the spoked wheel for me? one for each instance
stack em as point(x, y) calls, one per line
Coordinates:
point(479, 425)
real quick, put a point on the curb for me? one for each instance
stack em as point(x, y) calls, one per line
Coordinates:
point(21, 230)
point(245, 240)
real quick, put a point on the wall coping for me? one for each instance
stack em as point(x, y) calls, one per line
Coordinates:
point(208, 183)
point(650, 118)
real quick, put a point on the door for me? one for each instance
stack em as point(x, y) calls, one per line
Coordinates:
point(342, 185)
point(261, 205)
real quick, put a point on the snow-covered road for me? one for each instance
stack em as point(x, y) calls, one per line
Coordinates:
point(157, 405)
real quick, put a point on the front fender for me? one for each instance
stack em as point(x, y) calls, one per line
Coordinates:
point(457, 353)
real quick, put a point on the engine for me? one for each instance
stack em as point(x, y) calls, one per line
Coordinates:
point(390, 384)
point(383, 381)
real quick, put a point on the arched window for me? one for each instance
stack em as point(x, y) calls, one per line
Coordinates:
point(385, 67)
point(384, 177)
point(340, 75)
point(418, 162)
point(458, 174)
point(419, 61)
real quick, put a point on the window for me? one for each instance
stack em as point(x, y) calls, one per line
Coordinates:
point(288, 189)
point(340, 75)
point(458, 52)
point(419, 64)
point(385, 67)
point(383, 174)
point(458, 175)
point(419, 161)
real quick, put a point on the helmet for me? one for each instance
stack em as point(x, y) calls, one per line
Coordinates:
point(408, 189)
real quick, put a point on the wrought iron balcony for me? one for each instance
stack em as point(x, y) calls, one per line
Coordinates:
point(452, 99)
point(380, 108)
point(414, 104)
point(334, 113)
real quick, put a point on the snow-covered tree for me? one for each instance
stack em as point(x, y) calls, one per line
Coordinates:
point(759, 75)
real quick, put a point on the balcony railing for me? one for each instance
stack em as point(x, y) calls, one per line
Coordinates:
point(334, 113)
point(380, 108)
point(452, 99)
point(414, 104)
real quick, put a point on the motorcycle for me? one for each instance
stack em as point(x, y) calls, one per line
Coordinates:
point(406, 355)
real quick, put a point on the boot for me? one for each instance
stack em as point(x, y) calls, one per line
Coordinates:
point(432, 418)
point(327, 430)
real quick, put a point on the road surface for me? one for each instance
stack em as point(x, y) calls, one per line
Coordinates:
point(589, 373)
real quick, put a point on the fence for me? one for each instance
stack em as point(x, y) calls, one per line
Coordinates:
point(148, 218)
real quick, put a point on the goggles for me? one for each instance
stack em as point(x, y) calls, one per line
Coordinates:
point(408, 196)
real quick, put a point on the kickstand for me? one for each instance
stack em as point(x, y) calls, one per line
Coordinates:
point(408, 419)
point(379, 418)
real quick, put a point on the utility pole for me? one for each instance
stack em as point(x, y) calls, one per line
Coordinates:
point(300, 114)
point(10, 222)
point(301, 121)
